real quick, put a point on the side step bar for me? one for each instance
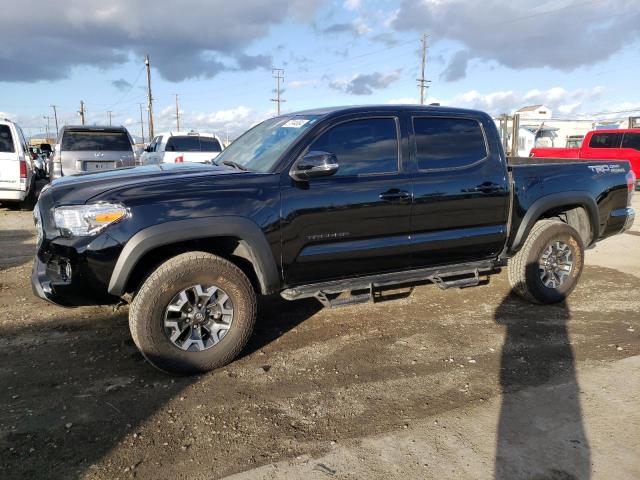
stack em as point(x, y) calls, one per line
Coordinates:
point(458, 276)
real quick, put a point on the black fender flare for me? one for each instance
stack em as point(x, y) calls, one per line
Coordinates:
point(247, 231)
point(557, 200)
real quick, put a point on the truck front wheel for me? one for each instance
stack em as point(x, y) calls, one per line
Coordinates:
point(194, 313)
point(549, 264)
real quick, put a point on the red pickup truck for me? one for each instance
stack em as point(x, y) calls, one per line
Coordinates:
point(623, 144)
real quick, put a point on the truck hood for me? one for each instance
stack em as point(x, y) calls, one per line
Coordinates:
point(77, 189)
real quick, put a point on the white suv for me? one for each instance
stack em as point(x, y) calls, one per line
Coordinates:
point(181, 147)
point(17, 175)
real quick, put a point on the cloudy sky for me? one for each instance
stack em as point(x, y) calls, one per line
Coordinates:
point(579, 57)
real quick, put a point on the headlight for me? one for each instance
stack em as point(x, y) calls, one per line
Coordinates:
point(84, 220)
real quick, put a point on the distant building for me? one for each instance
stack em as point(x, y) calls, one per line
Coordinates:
point(539, 128)
point(536, 112)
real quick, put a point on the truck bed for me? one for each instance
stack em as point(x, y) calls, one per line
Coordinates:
point(512, 161)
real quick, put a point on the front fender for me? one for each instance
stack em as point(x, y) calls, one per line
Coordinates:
point(192, 229)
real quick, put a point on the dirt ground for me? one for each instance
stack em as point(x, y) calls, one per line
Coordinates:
point(468, 384)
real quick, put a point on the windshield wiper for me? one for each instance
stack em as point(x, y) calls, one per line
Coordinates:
point(231, 163)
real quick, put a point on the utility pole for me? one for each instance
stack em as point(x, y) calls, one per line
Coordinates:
point(149, 96)
point(55, 115)
point(278, 74)
point(109, 114)
point(422, 82)
point(226, 144)
point(177, 112)
point(142, 123)
point(81, 112)
point(48, 134)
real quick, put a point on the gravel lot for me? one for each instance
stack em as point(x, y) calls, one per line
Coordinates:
point(436, 384)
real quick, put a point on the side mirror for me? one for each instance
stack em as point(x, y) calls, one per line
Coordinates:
point(148, 149)
point(314, 165)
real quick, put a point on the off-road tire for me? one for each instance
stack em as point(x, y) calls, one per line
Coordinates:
point(146, 314)
point(523, 267)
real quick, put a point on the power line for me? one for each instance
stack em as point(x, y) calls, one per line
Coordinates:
point(147, 64)
point(81, 112)
point(55, 115)
point(47, 118)
point(177, 112)
point(142, 122)
point(422, 83)
point(278, 74)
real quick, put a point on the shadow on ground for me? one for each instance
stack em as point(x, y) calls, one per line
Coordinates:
point(17, 247)
point(540, 431)
point(74, 387)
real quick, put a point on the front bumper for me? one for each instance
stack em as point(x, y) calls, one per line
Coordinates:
point(73, 274)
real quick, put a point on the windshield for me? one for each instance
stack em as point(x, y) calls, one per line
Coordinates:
point(260, 148)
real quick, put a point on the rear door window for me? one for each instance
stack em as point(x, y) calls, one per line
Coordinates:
point(605, 140)
point(631, 140)
point(78, 140)
point(444, 143)
point(6, 140)
point(210, 144)
point(187, 143)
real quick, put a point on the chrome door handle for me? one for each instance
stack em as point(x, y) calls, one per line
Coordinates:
point(395, 195)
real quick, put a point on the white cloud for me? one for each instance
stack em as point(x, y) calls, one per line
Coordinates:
point(200, 38)
point(237, 120)
point(301, 83)
point(559, 99)
point(520, 34)
point(404, 101)
point(352, 4)
point(361, 27)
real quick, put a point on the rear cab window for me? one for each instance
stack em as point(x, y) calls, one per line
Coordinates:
point(186, 143)
point(631, 140)
point(6, 140)
point(210, 144)
point(79, 140)
point(605, 140)
point(448, 143)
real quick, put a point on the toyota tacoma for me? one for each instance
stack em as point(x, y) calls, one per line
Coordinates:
point(331, 203)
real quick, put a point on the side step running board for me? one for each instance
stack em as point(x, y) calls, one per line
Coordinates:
point(465, 281)
point(458, 276)
point(324, 299)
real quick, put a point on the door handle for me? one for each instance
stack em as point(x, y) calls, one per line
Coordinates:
point(492, 188)
point(395, 195)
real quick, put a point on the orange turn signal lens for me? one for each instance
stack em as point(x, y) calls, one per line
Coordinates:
point(109, 217)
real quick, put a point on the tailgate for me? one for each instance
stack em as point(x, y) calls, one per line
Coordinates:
point(9, 171)
point(190, 157)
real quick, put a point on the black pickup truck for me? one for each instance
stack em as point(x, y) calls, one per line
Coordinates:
point(322, 203)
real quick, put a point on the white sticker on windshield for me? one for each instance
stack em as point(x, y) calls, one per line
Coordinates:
point(295, 123)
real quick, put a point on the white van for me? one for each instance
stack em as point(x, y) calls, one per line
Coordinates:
point(17, 176)
point(181, 147)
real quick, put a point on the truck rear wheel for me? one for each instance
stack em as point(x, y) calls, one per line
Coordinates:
point(194, 313)
point(549, 264)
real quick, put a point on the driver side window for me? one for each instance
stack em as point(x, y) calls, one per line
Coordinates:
point(362, 147)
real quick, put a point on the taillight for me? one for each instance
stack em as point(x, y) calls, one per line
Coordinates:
point(179, 159)
point(631, 181)
point(631, 186)
point(23, 169)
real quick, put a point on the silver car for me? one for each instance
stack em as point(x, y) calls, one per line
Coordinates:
point(86, 149)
